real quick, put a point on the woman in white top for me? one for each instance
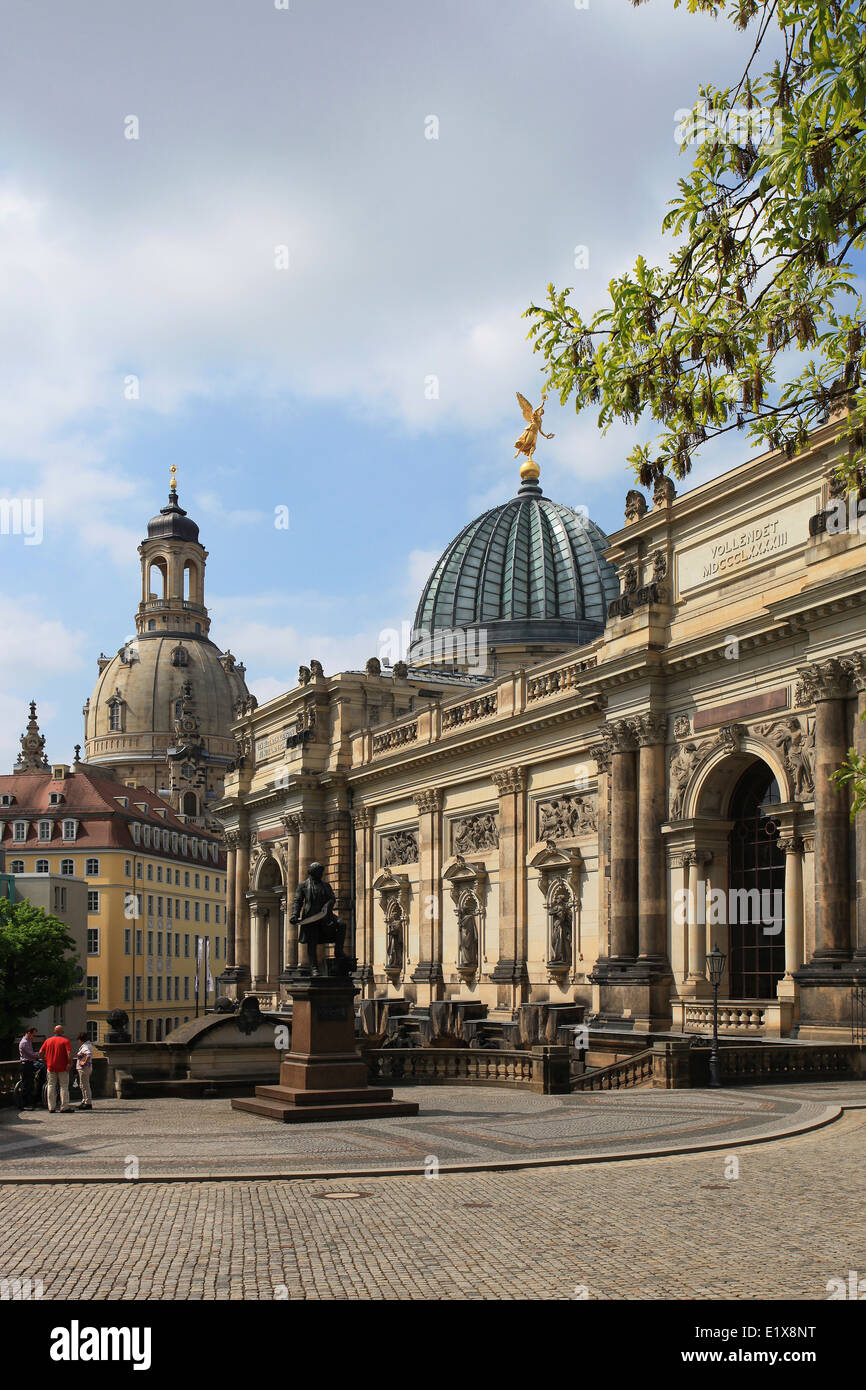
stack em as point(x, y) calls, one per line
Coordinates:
point(84, 1062)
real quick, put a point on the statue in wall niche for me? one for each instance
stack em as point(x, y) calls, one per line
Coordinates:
point(467, 937)
point(560, 932)
point(683, 764)
point(798, 749)
point(394, 942)
point(475, 833)
point(399, 848)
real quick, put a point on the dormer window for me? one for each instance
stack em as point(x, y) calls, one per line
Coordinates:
point(19, 830)
point(136, 832)
point(116, 709)
point(147, 835)
point(7, 800)
point(70, 829)
point(180, 656)
point(55, 798)
point(183, 844)
point(122, 801)
point(45, 827)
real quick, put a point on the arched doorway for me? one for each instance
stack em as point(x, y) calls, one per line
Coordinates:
point(756, 874)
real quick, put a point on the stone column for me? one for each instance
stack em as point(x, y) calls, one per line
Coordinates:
point(242, 916)
point(623, 843)
point(601, 752)
point(826, 684)
point(362, 819)
point(231, 878)
point(651, 866)
point(274, 928)
point(858, 676)
point(510, 973)
point(428, 974)
point(290, 947)
point(257, 946)
point(697, 975)
point(792, 848)
point(308, 842)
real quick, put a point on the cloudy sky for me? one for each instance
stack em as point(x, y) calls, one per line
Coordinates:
point(261, 285)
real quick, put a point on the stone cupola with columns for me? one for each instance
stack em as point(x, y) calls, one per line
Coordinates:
point(583, 830)
point(162, 710)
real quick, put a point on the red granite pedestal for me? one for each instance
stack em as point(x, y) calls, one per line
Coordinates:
point(324, 1076)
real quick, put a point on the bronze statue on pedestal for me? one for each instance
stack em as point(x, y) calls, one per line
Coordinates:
point(313, 908)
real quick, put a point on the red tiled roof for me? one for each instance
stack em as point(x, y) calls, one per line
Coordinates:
point(92, 799)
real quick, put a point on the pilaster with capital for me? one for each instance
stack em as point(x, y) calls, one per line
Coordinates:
point(428, 975)
point(232, 840)
point(242, 913)
point(651, 731)
point(511, 972)
point(623, 841)
point(362, 821)
point(290, 944)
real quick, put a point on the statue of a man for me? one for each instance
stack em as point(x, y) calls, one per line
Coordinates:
point(313, 908)
point(560, 933)
point(467, 938)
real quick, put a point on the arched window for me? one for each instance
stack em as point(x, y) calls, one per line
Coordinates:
point(17, 866)
point(67, 866)
point(156, 579)
point(151, 624)
point(41, 866)
point(756, 880)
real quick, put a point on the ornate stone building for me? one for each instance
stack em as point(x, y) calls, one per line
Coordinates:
point(162, 710)
point(585, 828)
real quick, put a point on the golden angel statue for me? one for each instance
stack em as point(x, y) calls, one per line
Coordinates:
point(527, 441)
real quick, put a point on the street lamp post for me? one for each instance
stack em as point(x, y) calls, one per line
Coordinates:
point(715, 967)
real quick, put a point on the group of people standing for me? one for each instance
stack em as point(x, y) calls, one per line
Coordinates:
point(56, 1055)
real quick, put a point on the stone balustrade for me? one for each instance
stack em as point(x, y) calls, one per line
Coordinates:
point(636, 1070)
point(397, 737)
point(542, 1069)
point(558, 681)
point(733, 1017)
point(482, 707)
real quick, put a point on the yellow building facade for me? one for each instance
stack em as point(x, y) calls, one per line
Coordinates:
point(155, 886)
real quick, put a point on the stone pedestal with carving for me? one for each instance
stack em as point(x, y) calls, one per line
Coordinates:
point(324, 1076)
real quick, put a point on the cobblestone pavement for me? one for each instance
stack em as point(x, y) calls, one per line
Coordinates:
point(458, 1125)
point(661, 1228)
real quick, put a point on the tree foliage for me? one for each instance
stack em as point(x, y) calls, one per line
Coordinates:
point(38, 963)
point(764, 230)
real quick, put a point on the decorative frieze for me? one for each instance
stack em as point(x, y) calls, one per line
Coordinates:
point(565, 817)
point(471, 834)
point(399, 847)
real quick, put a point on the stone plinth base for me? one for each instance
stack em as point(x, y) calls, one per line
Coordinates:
point(633, 993)
point(324, 1076)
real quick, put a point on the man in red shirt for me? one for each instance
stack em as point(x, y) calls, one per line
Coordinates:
point(57, 1052)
